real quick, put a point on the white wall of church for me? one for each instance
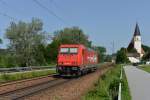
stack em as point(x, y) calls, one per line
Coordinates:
point(137, 43)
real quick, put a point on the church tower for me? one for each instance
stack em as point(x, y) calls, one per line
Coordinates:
point(137, 39)
point(135, 50)
point(136, 44)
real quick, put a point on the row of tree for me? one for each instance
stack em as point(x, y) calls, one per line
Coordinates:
point(1, 41)
point(146, 57)
point(28, 44)
point(121, 56)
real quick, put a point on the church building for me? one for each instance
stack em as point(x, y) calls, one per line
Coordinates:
point(135, 50)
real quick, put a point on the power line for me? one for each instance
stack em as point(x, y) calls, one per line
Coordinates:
point(8, 6)
point(52, 1)
point(8, 16)
point(48, 10)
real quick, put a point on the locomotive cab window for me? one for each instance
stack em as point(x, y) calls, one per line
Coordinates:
point(64, 50)
point(73, 50)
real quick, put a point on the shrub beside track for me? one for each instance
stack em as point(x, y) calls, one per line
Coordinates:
point(108, 85)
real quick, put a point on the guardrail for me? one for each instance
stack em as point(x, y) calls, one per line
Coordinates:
point(119, 93)
point(21, 69)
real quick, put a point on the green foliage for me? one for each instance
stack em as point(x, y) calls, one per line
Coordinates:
point(104, 87)
point(125, 93)
point(146, 57)
point(132, 50)
point(72, 35)
point(113, 89)
point(101, 52)
point(1, 41)
point(145, 68)
point(40, 55)
point(108, 58)
point(27, 44)
point(26, 41)
point(147, 52)
point(146, 48)
point(8, 61)
point(23, 75)
point(52, 52)
point(107, 87)
point(121, 56)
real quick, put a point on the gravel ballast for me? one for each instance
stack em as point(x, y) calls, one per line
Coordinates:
point(72, 90)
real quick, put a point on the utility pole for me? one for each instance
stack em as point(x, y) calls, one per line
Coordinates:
point(113, 47)
point(113, 50)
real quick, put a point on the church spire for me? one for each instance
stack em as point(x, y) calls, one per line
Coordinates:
point(137, 30)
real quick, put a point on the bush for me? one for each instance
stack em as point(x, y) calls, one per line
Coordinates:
point(7, 61)
point(122, 56)
point(107, 86)
point(113, 89)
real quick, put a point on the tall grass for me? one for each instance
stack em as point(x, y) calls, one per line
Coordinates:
point(7, 77)
point(145, 68)
point(106, 88)
point(125, 94)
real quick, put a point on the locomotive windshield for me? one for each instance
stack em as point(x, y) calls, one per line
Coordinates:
point(64, 50)
point(68, 50)
point(73, 50)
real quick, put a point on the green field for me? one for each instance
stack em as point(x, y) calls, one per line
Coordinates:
point(145, 68)
point(7, 77)
point(106, 88)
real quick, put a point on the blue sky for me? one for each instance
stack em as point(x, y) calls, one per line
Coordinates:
point(104, 21)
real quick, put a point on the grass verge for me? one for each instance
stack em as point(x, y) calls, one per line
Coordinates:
point(145, 68)
point(106, 88)
point(125, 93)
point(7, 77)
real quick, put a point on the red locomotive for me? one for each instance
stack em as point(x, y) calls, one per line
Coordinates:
point(76, 59)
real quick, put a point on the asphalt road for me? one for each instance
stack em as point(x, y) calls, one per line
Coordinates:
point(139, 83)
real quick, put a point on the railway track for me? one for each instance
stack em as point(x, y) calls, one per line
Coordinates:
point(20, 93)
point(11, 86)
point(20, 89)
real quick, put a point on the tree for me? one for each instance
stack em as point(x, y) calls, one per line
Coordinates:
point(72, 35)
point(146, 48)
point(101, 52)
point(52, 52)
point(133, 50)
point(147, 52)
point(146, 56)
point(1, 41)
point(121, 56)
point(108, 58)
point(25, 40)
